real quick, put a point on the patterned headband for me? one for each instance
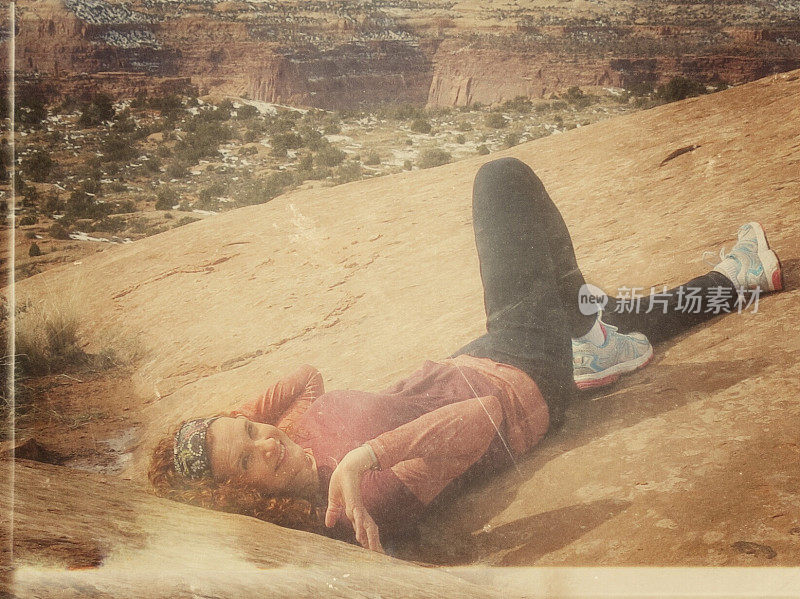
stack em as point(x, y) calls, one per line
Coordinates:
point(191, 455)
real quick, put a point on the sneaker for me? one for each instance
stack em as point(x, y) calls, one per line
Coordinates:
point(599, 365)
point(751, 263)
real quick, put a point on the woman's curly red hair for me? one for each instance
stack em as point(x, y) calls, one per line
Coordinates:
point(290, 512)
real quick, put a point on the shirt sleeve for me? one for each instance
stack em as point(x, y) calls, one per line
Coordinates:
point(429, 452)
point(287, 399)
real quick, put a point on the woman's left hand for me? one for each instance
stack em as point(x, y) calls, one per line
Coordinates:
point(344, 495)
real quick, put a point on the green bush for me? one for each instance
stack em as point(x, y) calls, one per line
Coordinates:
point(58, 231)
point(482, 150)
point(349, 171)
point(38, 166)
point(99, 110)
point(432, 157)
point(52, 204)
point(177, 170)
point(246, 111)
point(281, 142)
point(332, 128)
point(680, 88)
point(329, 156)
point(119, 147)
point(420, 125)
point(34, 250)
point(521, 104)
point(186, 220)
point(510, 140)
point(29, 112)
point(202, 140)
point(81, 205)
point(495, 120)
point(166, 198)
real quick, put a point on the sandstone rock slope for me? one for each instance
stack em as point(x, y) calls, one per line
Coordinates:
point(693, 461)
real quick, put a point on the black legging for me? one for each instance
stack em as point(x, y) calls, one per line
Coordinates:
point(531, 282)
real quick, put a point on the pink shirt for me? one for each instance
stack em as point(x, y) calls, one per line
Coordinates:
point(448, 420)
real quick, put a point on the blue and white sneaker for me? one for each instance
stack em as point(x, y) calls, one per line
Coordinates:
point(599, 365)
point(751, 263)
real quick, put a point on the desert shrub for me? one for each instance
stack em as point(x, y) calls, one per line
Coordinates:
point(329, 156)
point(407, 165)
point(313, 138)
point(460, 139)
point(34, 250)
point(680, 88)
point(29, 111)
point(38, 166)
point(152, 164)
point(58, 231)
point(177, 170)
point(432, 157)
point(202, 140)
point(573, 93)
point(281, 142)
point(420, 125)
point(246, 111)
point(121, 207)
point(47, 337)
point(118, 147)
point(117, 186)
point(186, 220)
point(166, 198)
point(28, 219)
point(482, 150)
point(464, 126)
point(99, 110)
point(111, 224)
point(641, 88)
point(81, 205)
point(163, 151)
point(510, 140)
point(283, 122)
point(248, 151)
point(349, 171)
point(558, 105)
point(372, 159)
point(30, 196)
point(332, 128)
point(495, 120)
point(521, 104)
point(259, 191)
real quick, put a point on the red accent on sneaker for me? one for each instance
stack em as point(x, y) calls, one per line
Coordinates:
point(777, 280)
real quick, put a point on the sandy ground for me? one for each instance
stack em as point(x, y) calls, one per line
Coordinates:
point(691, 462)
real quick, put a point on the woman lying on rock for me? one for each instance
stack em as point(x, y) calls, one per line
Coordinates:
point(376, 460)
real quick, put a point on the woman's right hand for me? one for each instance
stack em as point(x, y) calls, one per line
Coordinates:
point(344, 495)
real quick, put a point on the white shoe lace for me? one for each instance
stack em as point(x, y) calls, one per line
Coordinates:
point(723, 253)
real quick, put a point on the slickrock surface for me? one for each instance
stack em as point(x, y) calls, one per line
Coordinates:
point(692, 461)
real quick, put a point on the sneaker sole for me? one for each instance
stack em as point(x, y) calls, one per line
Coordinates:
point(769, 259)
point(610, 375)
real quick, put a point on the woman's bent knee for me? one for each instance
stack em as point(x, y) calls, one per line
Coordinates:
point(505, 169)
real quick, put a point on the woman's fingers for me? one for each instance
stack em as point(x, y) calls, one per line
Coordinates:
point(366, 530)
point(333, 513)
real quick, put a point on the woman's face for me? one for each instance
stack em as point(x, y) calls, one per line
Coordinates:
point(261, 456)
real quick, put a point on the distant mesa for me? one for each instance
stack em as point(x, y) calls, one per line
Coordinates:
point(343, 55)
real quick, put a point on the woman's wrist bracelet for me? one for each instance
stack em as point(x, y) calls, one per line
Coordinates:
point(376, 465)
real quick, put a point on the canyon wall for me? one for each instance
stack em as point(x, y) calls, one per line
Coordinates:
point(337, 55)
